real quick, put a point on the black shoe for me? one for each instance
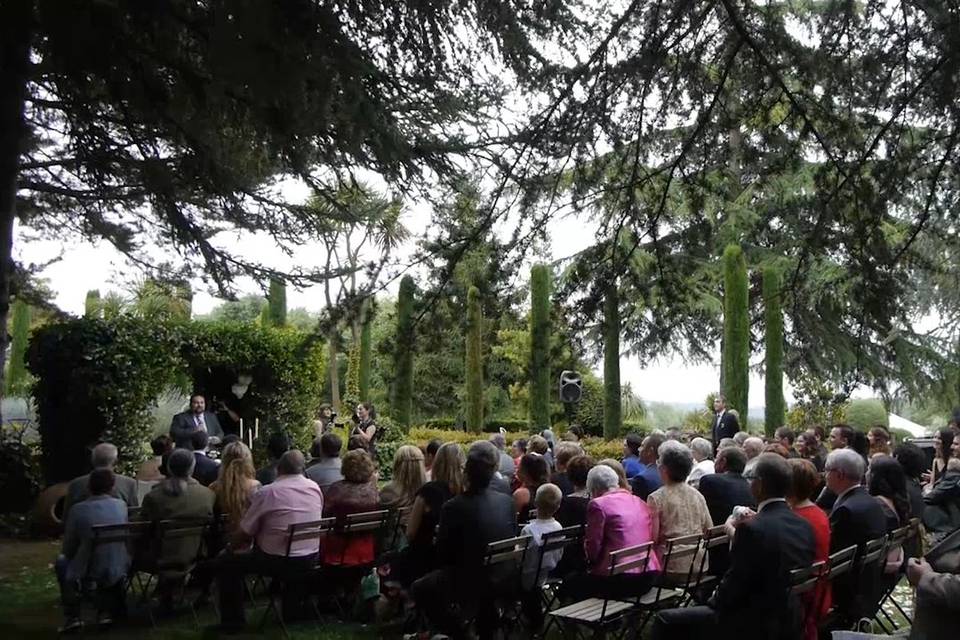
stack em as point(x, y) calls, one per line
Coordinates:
point(71, 625)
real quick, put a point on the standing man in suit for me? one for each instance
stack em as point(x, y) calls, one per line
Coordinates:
point(855, 519)
point(196, 419)
point(725, 424)
point(751, 600)
point(724, 490)
point(468, 522)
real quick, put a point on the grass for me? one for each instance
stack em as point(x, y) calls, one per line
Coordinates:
point(30, 607)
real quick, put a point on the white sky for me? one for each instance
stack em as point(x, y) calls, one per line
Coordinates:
point(85, 266)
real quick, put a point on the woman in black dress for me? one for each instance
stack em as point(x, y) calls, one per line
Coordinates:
point(365, 427)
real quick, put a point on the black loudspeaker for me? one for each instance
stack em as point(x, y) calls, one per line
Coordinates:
point(571, 387)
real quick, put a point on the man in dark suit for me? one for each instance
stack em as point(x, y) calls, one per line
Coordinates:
point(724, 490)
point(725, 424)
point(205, 470)
point(468, 523)
point(197, 418)
point(856, 518)
point(751, 600)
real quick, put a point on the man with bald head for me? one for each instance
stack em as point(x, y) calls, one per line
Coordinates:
point(290, 499)
point(103, 456)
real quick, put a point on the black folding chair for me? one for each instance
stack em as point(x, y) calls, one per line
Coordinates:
point(805, 579)
point(507, 557)
point(554, 541)
point(705, 582)
point(347, 577)
point(839, 563)
point(127, 534)
point(600, 615)
point(190, 532)
point(398, 518)
point(297, 532)
point(895, 540)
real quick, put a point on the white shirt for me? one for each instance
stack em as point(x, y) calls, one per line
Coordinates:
point(535, 529)
point(702, 468)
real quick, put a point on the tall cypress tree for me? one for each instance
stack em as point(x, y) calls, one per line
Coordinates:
point(365, 349)
point(403, 355)
point(91, 304)
point(736, 330)
point(611, 363)
point(775, 409)
point(277, 303)
point(540, 347)
point(474, 409)
point(16, 368)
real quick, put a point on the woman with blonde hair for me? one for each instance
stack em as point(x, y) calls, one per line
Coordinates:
point(418, 558)
point(409, 475)
point(235, 484)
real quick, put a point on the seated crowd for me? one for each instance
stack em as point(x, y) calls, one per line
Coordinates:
point(785, 504)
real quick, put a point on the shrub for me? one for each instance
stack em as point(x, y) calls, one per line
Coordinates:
point(403, 356)
point(589, 413)
point(98, 379)
point(474, 382)
point(20, 473)
point(775, 407)
point(611, 363)
point(736, 329)
point(865, 413)
point(598, 448)
point(17, 381)
point(539, 346)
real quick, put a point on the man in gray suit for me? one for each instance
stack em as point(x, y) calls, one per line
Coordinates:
point(104, 456)
point(183, 425)
point(938, 591)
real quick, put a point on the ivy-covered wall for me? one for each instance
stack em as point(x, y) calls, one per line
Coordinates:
point(96, 379)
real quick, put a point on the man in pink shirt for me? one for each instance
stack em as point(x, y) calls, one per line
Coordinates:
point(290, 499)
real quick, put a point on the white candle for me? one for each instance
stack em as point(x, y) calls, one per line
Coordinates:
point(256, 426)
point(241, 429)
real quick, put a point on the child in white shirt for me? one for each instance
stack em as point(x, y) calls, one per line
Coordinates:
point(547, 501)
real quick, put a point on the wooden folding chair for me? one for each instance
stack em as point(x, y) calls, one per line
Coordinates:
point(671, 589)
point(128, 534)
point(599, 615)
point(805, 579)
point(397, 519)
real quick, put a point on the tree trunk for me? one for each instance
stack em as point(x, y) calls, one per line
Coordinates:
point(16, 22)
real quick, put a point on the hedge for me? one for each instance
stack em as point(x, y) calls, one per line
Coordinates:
point(96, 380)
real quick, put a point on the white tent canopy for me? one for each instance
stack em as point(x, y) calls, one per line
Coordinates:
point(916, 430)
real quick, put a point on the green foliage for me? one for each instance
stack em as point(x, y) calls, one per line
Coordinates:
point(817, 404)
point(97, 379)
point(611, 363)
point(352, 393)
point(474, 364)
point(16, 380)
point(590, 411)
point(245, 309)
point(736, 329)
point(366, 347)
point(277, 303)
point(91, 304)
point(775, 406)
point(20, 474)
point(540, 346)
point(864, 413)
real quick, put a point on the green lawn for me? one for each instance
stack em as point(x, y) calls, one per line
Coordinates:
point(29, 606)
